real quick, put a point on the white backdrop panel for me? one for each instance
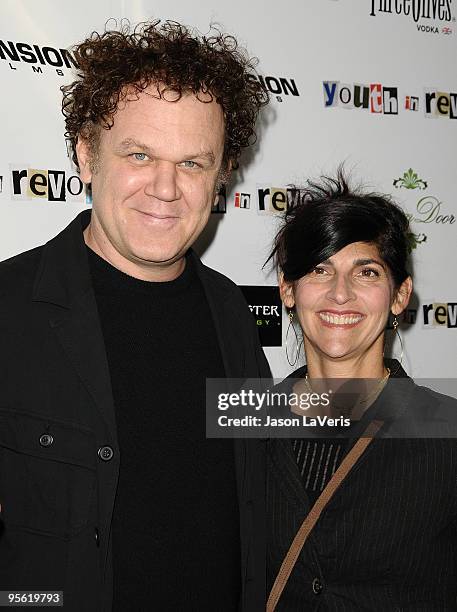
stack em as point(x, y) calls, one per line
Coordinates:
point(304, 44)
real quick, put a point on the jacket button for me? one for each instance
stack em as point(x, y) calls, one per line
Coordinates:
point(105, 453)
point(46, 440)
point(97, 537)
point(317, 586)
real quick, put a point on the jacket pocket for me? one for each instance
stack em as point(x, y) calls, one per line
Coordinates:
point(47, 474)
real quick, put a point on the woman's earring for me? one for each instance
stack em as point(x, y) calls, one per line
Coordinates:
point(297, 350)
point(397, 333)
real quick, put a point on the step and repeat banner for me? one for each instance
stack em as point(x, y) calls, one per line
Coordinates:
point(371, 83)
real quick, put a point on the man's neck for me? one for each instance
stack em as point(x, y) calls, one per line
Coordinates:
point(143, 271)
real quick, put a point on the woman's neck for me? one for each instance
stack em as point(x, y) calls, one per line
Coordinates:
point(369, 365)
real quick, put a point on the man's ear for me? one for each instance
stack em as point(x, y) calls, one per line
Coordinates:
point(286, 291)
point(402, 296)
point(225, 172)
point(84, 156)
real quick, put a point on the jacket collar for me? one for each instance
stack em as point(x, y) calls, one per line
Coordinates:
point(390, 405)
point(63, 275)
point(63, 279)
point(388, 408)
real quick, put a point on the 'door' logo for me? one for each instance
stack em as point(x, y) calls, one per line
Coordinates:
point(429, 208)
point(410, 180)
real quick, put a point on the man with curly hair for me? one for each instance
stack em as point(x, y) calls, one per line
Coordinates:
point(109, 489)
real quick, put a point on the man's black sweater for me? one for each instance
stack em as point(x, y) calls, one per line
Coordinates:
point(175, 525)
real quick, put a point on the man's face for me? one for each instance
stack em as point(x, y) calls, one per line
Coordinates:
point(155, 182)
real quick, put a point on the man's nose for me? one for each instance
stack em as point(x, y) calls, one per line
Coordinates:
point(341, 289)
point(162, 182)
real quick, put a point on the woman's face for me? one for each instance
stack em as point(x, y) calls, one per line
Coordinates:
point(343, 304)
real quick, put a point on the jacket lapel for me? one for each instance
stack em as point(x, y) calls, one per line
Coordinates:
point(390, 405)
point(216, 300)
point(63, 281)
point(249, 454)
point(284, 470)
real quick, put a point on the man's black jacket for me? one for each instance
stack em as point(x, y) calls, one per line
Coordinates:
point(57, 427)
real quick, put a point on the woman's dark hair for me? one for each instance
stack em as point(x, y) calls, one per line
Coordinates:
point(119, 62)
point(328, 216)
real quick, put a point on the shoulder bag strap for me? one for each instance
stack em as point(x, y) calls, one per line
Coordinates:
point(311, 519)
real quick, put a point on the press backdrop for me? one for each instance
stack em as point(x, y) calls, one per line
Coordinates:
point(369, 82)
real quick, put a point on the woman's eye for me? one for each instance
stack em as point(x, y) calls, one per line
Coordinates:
point(318, 271)
point(369, 273)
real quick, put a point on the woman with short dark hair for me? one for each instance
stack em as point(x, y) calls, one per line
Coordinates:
point(380, 534)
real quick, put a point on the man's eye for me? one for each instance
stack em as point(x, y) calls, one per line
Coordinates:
point(139, 156)
point(188, 163)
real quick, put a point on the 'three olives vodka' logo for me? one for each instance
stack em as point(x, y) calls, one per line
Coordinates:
point(430, 16)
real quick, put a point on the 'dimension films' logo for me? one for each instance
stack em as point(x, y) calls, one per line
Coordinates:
point(429, 16)
point(278, 86)
point(52, 185)
point(265, 305)
point(429, 208)
point(16, 54)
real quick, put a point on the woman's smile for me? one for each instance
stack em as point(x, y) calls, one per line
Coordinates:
point(340, 319)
